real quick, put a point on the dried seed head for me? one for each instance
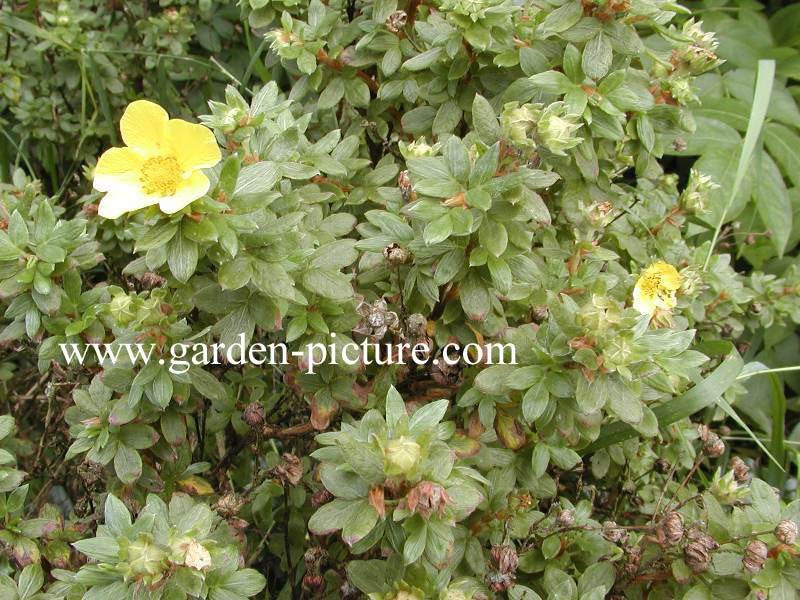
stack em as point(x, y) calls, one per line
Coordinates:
point(415, 325)
point(786, 532)
point(505, 558)
point(396, 254)
point(499, 582)
point(566, 518)
point(320, 497)
point(396, 21)
point(697, 557)
point(152, 280)
point(254, 415)
point(613, 533)
point(662, 466)
point(714, 447)
point(289, 470)
point(755, 555)
point(673, 528)
point(313, 558)
point(313, 583)
point(229, 505)
point(712, 444)
point(633, 559)
point(741, 472)
point(426, 498)
point(698, 551)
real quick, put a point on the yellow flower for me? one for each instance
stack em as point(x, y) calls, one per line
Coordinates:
point(160, 165)
point(656, 288)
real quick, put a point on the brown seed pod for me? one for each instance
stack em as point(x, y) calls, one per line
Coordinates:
point(505, 558)
point(786, 532)
point(673, 528)
point(741, 472)
point(755, 555)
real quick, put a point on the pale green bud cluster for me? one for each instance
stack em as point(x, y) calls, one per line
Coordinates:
point(556, 128)
point(519, 122)
point(418, 148)
point(695, 197)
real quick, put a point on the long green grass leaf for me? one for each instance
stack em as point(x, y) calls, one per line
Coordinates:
point(763, 91)
point(704, 394)
point(775, 472)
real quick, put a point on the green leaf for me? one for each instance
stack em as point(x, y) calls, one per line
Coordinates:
point(332, 516)
point(784, 146)
point(564, 17)
point(31, 581)
point(103, 549)
point(118, 519)
point(475, 299)
point(493, 236)
point(772, 201)
point(332, 94)
point(360, 523)
point(182, 257)
point(328, 284)
point(127, 464)
point(597, 55)
point(484, 120)
point(415, 541)
point(245, 582)
point(438, 230)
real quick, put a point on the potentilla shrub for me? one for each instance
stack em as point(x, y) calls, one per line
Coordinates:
point(479, 173)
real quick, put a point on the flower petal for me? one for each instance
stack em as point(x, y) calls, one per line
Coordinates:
point(193, 145)
point(117, 166)
point(124, 199)
point(143, 127)
point(189, 190)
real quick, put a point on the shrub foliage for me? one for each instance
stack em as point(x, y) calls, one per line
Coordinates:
point(483, 173)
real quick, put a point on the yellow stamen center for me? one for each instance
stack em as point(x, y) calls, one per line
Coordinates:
point(160, 176)
point(653, 287)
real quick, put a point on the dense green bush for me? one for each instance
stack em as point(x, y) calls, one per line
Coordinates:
point(471, 172)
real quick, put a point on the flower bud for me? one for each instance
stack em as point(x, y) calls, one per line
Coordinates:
point(556, 129)
point(755, 555)
point(453, 594)
point(418, 149)
point(695, 197)
point(401, 456)
point(313, 583)
point(145, 559)
point(786, 532)
point(122, 309)
point(517, 122)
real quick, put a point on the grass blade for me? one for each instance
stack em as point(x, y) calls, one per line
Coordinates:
point(706, 392)
point(763, 91)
